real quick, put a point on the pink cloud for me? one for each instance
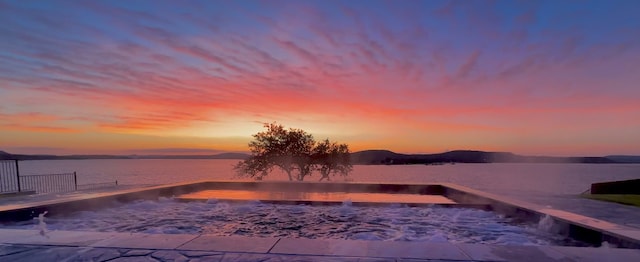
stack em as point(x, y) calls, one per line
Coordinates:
point(355, 67)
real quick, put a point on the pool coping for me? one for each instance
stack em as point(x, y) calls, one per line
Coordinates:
point(576, 226)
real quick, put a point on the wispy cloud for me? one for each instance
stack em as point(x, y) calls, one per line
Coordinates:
point(425, 66)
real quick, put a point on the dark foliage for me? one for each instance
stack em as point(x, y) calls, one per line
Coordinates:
point(295, 152)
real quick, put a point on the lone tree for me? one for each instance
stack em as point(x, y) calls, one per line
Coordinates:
point(332, 158)
point(295, 152)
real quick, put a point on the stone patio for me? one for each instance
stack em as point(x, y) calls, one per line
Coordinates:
point(30, 245)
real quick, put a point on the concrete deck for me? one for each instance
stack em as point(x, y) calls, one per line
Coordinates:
point(30, 245)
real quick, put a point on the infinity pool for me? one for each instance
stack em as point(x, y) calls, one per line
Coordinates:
point(343, 221)
point(325, 197)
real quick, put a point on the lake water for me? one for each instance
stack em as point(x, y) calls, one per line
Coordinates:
point(512, 179)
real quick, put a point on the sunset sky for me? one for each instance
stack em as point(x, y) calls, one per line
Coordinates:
point(199, 77)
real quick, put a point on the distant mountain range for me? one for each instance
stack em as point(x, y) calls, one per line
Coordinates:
point(374, 157)
point(5, 155)
point(386, 157)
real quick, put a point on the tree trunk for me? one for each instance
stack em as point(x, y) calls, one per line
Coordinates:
point(324, 174)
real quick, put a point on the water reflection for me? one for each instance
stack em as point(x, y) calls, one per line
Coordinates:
point(316, 196)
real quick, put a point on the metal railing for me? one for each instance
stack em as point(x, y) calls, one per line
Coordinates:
point(98, 185)
point(9, 176)
point(50, 183)
point(12, 182)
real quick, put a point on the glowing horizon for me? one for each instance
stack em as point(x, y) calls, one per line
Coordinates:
point(533, 78)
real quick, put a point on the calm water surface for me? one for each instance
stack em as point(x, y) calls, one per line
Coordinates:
point(513, 179)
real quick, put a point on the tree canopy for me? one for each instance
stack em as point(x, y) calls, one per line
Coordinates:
point(295, 152)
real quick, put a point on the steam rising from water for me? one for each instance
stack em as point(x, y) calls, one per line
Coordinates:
point(386, 223)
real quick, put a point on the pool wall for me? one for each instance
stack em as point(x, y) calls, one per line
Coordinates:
point(575, 226)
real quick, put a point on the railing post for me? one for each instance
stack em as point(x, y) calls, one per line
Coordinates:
point(75, 181)
point(18, 176)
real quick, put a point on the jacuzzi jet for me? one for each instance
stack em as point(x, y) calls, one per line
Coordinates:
point(546, 223)
point(42, 225)
point(549, 225)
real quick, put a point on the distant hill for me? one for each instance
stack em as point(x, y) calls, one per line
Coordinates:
point(5, 155)
point(624, 159)
point(386, 157)
point(218, 156)
point(375, 156)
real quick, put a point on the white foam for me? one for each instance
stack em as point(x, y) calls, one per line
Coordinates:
point(42, 226)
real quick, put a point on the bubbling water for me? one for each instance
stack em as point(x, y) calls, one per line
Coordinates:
point(345, 221)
